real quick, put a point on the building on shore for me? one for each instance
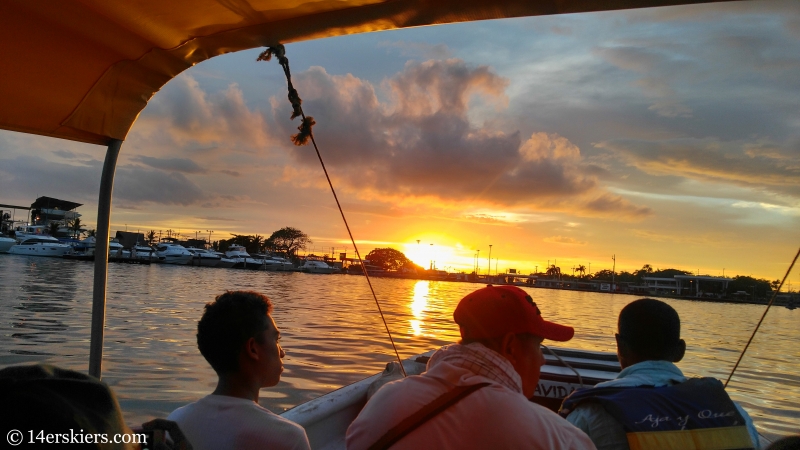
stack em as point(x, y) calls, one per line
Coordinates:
point(688, 286)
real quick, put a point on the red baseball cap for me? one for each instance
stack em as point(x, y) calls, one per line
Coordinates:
point(493, 311)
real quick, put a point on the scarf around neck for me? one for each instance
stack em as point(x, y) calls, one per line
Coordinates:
point(481, 361)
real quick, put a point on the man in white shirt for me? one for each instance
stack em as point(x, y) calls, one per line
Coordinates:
point(238, 337)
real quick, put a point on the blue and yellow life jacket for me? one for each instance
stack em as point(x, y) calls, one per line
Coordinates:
point(694, 415)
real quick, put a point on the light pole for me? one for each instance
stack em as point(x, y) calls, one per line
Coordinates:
point(490, 260)
point(477, 263)
point(209, 236)
point(613, 271)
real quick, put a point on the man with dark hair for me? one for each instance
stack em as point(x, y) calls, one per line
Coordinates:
point(652, 404)
point(238, 337)
point(474, 394)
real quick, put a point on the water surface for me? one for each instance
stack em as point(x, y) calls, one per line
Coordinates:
point(333, 334)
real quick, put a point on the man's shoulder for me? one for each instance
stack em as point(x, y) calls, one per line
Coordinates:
point(227, 421)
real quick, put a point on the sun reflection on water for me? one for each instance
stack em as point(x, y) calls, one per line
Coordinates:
point(418, 305)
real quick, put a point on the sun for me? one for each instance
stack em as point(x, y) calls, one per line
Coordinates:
point(430, 254)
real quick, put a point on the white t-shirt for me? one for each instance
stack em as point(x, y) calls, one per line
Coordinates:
point(219, 422)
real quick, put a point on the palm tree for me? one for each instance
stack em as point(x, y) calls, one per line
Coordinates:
point(553, 271)
point(150, 237)
point(75, 227)
point(581, 269)
point(53, 228)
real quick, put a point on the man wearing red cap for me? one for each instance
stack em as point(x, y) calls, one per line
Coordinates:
point(474, 394)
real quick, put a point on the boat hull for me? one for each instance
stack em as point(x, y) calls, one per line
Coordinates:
point(225, 263)
point(321, 270)
point(205, 262)
point(49, 250)
point(6, 244)
point(181, 260)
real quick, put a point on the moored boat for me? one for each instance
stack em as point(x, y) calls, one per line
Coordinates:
point(202, 257)
point(23, 232)
point(224, 261)
point(243, 260)
point(276, 263)
point(6, 243)
point(317, 265)
point(40, 246)
point(169, 253)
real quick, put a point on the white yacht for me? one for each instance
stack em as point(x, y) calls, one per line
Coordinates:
point(277, 263)
point(23, 232)
point(116, 250)
point(225, 262)
point(202, 257)
point(243, 259)
point(6, 243)
point(169, 253)
point(144, 252)
point(318, 266)
point(87, 247)
point(40, 246)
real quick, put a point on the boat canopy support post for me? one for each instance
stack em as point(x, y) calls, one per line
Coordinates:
point(101, 258)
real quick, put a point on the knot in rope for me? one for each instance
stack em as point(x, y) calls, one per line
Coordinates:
point(279, 51)
point(302, 138)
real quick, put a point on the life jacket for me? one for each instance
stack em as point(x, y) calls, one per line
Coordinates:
point(694, 415)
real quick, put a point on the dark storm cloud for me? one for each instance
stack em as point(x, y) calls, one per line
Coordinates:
point(420, 142)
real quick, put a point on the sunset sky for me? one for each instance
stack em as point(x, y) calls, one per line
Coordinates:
point(667, 136)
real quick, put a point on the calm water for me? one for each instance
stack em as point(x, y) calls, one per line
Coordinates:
point(333, 335)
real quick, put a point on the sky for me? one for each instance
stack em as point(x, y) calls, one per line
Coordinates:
point(665, 136)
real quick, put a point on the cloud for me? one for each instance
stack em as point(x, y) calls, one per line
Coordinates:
point(32, 175)
point(132, 184)
point(184, 116)
point(421, 143)
point(171, 164)
point(136, 184)
point(763, 165)
point(657, 66)
point(563, 240)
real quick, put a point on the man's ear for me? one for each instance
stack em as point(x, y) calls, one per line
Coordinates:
point(508, 347)
point(623, 353)
point(680, 351)
point(251, 349)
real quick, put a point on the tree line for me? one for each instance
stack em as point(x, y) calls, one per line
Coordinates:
point(287, 241)
point(758, 287)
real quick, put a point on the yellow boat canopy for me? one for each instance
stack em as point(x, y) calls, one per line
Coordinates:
point(83, 70)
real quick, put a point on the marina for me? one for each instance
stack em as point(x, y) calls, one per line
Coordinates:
point(333, 336)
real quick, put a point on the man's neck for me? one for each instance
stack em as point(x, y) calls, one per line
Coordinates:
point(237, 385)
